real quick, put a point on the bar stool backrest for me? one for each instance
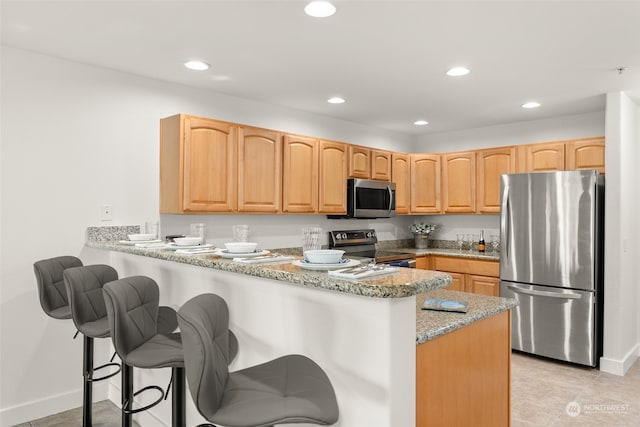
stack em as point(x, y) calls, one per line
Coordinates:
point(204, 326)
point(132, 309)
point(84, 288)
point(51, 288)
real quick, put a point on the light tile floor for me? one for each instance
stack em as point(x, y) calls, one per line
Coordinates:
point(105, 414)
point(541, 391)
point(544, 391)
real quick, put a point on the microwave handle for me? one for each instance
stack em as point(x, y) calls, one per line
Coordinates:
point(390, 199)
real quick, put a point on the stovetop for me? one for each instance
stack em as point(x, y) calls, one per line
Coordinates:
point(362, 244)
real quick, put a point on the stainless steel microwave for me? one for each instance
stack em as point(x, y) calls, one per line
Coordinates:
point(368, 198)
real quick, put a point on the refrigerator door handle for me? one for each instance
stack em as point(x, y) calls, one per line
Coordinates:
point(525, 291)
point(506, 222)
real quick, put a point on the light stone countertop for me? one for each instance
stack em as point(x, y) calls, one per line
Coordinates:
point(487, 256)
point(406, 282)
point(431, 324)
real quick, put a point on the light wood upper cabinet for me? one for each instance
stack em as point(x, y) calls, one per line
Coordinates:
point(359, 162)
point(491, 164)
point(259, 170)
point(332, 187)
point(197, 165)
point(587, 153)
point(542, 157)
point(459, 182)
point(381, 165)
point(425, 183)
point(400, 174)
point(300, 174)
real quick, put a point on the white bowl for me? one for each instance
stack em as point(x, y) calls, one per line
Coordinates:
point(186, 241)
point(136, 237)
point(241, 247)
point(323, 256)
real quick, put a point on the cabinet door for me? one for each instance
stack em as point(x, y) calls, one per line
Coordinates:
point(483, 285)
point(491, 164)
point(544, 157)
point(400, 174)
point(425, 183)
point(359, 162)
point(458, 282)
point(300, 175)
point(209, 165)
point(585, 154)
point(459, 182)
point(381, 165)
point(259, 170)
point(333, 177)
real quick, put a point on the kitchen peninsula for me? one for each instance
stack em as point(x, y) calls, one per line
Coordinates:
point(363, 333)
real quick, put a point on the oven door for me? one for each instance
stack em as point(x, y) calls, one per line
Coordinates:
point(371, 199)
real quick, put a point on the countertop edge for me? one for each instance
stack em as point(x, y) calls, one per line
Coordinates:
point(433, 324)
point(365, 287)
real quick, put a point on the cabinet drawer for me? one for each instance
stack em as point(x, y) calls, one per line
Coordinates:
point(467, 266)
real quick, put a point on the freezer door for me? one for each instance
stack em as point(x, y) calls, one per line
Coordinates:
point(548, 228)
point(553, 322)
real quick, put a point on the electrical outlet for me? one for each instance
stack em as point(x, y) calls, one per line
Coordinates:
point(106, 213)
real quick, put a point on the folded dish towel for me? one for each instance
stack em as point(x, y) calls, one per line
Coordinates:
point(363, 273)
point(267, 259)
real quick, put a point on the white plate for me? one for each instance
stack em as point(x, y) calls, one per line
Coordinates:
point(135, 242)
point(174, 247)
point(226, 254)
point(345, 263)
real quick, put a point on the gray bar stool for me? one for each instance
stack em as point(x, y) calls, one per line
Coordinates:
point(51, 288)
point(132, 310)
point(84, 290)
point(289, 389)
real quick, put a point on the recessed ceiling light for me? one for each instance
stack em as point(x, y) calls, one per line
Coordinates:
point(531, 104)
point(336, 100)
point(320, 9)
point(197, 65)
point(458, 71)
point(420, 122)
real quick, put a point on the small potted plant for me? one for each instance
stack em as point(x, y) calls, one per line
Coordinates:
point(421, 233)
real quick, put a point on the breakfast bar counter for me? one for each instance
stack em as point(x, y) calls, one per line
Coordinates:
point(364, 333)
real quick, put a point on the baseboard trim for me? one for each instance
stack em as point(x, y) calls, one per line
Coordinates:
point(49, 405)
point(621, 366)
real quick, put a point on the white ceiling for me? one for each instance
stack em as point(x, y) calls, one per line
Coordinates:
point(387, 58)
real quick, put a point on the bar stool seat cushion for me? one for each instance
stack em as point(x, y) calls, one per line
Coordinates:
point(159, 352)
point(290, 389)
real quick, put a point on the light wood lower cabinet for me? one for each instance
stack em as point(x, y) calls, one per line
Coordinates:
point(463, 378)
point(467, 275)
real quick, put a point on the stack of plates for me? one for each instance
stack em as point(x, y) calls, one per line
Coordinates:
point(344, 263)
point(224, 253)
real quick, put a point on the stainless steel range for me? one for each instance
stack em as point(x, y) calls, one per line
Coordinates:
point(361, 244)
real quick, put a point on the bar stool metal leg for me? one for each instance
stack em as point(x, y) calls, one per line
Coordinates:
point(87, 392)
point(127, 393)
point(178, 412)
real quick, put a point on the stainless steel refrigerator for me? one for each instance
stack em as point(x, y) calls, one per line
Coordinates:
point(551, 233)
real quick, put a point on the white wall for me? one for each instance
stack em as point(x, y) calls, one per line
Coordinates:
point(622, 251)
point(75, 137)
point(526, 132)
